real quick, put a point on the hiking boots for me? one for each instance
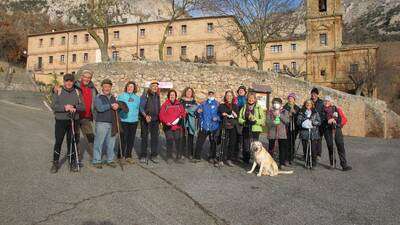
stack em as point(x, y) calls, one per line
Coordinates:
point(54, 167)
point(219, 164)
point(142, 160)
point(347, 168)
point(111, 164)
point(130, 161)
point(229, 163)
point(155, 160)
point(73, 168)
point(98, 165)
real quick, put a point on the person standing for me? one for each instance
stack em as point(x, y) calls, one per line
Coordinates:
point(240, 101)
point(67, 104)
point(106, 107)
point(278, 119)
point(172, 115)
point(129, 120)
point(309, 122)
point(252, 118)
point(291, 127)
point(319, 106)
point(332, 127)
point(149, 122)
point(209, 125)
point(229, 112)
point(188, 101)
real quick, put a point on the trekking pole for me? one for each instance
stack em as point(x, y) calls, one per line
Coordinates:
point(333, 148)
point(119, 141)
point(74, 141)
point(222, 147)
point(308, 153)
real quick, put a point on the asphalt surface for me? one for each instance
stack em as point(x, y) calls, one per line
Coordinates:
point(188, 193)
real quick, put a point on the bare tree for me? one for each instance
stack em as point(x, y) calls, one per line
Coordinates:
point(364, 75)
point(99, 15)
point(179, 9)
point(257, 22)
point(293, 72)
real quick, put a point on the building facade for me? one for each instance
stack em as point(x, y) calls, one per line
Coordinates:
point(319, 54)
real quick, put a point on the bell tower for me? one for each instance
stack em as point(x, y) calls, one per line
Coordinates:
point(324, 24)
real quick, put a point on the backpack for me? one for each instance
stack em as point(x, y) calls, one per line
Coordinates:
point(343, 116)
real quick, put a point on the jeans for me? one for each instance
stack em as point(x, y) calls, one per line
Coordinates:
point(103, 137)
point(128, 138)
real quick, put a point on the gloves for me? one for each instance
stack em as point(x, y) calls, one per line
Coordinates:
point(307, 124)
point(175, 122)
point(230, 116)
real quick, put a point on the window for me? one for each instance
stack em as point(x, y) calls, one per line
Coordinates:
point(169, 50)
point(353, 68)
point(170, 30)
point(74, 58)
point(62, 40)
point(73, 73)
point(322, 6)
point(62, 58)
point(183, 50)
point(293, 47)
point(141, 53)
point(86, 37)
point(85, 57)
point(210, 51)
point(115, 55)
point(51, 41)
point(142, 32)
point(183, 29)
point(277, 67)
point(40, 42)
point(276, 48)
point(323, 72)
point(62, 73)
point(323, 39)
point(40, 63)
point(210, 27)
point(294, 65)
point(75, 41)
point(116, 34)
point(51, 59)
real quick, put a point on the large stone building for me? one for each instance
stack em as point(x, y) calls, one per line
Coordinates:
point(319, 53)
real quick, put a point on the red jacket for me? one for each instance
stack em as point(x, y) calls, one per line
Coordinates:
point(170, 112)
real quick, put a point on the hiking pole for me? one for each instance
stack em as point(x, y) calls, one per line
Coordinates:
point(119, 141)
point(333, 148)
point(74, 141)
point(308, 161)
point(222, 147)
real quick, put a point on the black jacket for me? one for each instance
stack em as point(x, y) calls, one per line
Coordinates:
point(229, 123)
point(325, 118)
point(292, 118)
point(316, 122)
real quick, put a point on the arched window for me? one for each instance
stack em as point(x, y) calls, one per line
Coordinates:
point(322, 6)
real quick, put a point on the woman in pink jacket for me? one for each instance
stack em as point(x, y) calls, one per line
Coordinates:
point(171, 116)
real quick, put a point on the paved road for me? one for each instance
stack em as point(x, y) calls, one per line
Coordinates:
point(189, 193)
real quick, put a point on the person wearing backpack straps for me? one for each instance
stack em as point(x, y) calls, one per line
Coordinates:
point(332, 127)
point(67, 103)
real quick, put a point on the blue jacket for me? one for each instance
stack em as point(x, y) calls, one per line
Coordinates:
point(133, 103)
point(102, 104)
point(209, 114)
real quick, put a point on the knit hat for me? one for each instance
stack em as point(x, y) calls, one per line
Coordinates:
point(87, 72)
point(315, 90)
point(292, 95)
point(328, 98)
point(277, 100)
point(106, 81)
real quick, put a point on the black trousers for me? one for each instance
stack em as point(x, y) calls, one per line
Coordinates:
point(154, 130)
point(314, 149)
point(61, 128)
point(319, 142)
point(171, 138)
point(201, 139)
point(248, 137)
point(283, 149)
point(128, 138)
point(229, 151)
point(187, 144)
point(328, 134)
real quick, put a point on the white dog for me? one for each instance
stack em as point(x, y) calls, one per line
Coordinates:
point(268, 166)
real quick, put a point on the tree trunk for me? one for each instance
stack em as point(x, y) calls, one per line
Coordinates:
point(261, 51)
point(162, 43)
point(359, 89)
point(103, 45)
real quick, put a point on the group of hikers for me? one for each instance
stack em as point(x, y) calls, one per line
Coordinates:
point(230, 125)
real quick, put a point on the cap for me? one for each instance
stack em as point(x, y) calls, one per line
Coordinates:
point(211, 92)
point(106, 81)
point(87, 72)
point(328, 98)
point(69, 77)
point(315, 90)
point(154, 82)
point(292, 95)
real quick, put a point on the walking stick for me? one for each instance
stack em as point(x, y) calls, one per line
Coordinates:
point(222, 147)
point(74, 141)
point(308, 161)
point(120, 142)
point(333, 148)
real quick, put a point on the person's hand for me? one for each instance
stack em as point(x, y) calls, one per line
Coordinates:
point(68, 107)
point(199, 110)
point(56, 88)
point(215, 119)
point(234, 114)
point(224, 114)
point(72, 110)
point(331, 121)
point(148, 118)
point(114, 106)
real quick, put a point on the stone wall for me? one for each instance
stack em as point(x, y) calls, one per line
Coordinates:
point(367, 117)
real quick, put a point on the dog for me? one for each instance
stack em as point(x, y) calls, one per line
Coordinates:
point(268, 166)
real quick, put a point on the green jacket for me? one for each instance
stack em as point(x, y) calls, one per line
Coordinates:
point(260, 118)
